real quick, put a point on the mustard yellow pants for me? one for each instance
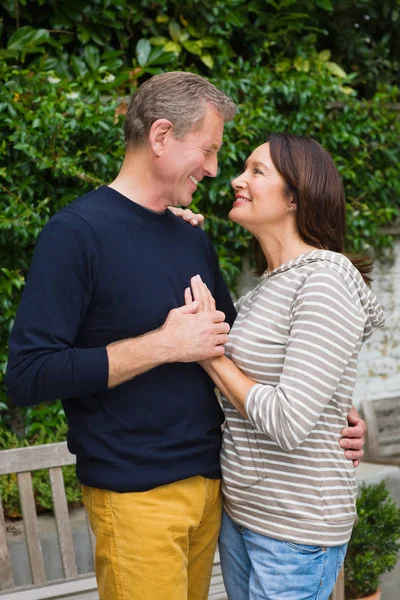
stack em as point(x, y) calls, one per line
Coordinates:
point(155, 545)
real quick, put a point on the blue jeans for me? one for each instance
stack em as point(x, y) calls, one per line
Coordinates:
point(257, 567)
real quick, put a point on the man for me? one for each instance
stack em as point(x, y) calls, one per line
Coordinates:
point(101, 326)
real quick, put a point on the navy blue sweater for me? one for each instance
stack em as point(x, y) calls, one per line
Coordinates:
point(107, 269)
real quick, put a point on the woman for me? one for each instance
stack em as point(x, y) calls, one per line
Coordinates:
point(288, 376)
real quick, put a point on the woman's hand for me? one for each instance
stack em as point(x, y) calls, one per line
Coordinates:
point(200, 293)
point(206, 303)
point(188, 215)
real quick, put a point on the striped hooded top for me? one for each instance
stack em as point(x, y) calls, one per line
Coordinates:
point(298, 335)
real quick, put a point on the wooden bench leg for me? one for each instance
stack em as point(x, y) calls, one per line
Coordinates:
point(338, 590)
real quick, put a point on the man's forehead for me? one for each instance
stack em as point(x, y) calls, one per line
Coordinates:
point(209, 130)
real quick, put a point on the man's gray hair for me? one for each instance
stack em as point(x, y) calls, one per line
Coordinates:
point(179, 97)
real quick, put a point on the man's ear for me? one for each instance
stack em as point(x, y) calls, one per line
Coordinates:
point(158, 136)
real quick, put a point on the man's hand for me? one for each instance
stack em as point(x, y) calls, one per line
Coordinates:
point(190, 336)
point(187, 215)
point(353, 437)
point(184, 337)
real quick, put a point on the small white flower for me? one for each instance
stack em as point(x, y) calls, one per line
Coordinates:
point(108, 78)
point(72, 95)
point(52, 79)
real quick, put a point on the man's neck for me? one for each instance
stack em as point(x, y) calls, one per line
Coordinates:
point(136, 182)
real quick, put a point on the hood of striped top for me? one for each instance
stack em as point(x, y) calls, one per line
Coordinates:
point(365, 299)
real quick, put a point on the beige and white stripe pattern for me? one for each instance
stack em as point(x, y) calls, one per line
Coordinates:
point(298, 335)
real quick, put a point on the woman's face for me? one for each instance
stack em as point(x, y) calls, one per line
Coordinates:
point(259, 190)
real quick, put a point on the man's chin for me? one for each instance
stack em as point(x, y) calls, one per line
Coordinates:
point(185, 202)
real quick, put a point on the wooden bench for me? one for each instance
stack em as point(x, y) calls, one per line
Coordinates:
point(73, 587)
point(23, 461)
point(383, 420)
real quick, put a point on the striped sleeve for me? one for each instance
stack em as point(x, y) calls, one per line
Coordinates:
point(239, 303)
point(326, 328)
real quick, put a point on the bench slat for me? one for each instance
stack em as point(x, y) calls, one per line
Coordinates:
point(77, 588)
point(31, 527)
point(45, 456)
point(63, 524)
point(386, 404)
point(373, 435)
point(389, 437)
point(6, 574)
point(92, 539)
point(391, 451)
point(391, 421)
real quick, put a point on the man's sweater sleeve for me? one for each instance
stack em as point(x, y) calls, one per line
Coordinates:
point(326, 330)
point(44, 363)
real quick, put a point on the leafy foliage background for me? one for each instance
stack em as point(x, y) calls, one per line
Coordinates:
point(67, 69)
point(375, 541)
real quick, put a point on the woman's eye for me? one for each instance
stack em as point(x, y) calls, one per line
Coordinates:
point(257, 171)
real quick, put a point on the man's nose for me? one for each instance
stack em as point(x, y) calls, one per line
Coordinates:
point(211, 166)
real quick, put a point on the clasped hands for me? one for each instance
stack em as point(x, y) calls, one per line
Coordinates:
point(353, 436)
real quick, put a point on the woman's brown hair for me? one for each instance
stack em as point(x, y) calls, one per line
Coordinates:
point(313, 183)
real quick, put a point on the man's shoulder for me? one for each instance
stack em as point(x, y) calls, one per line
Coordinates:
point(195, 232)
point(87, 204)
point(87, 212)
point(74, 221)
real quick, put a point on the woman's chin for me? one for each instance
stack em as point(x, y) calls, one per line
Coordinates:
point(234, 215)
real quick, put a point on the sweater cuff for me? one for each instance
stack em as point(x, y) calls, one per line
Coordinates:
point(92, 371)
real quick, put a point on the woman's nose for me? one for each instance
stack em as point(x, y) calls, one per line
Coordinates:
point(238, 182)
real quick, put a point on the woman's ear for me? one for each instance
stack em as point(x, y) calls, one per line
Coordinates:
point(158, 136)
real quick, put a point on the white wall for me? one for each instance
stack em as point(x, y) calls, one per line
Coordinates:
point(379, 362)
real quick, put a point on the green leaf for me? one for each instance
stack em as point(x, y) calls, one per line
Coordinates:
point(159, 57)
point(208, 60)
point(8, 53)
point(302, 65)
point(26, 38)
point(348, 90)
point(172, 47)
point(208, 42)
point(158, 41)
point(83, 35)
point(324, 55)
point(193, 47)
point(92, 57)
point(79, 66)
point(174, 30)
point(335, 69)
point(325, 4)
point(143, 50)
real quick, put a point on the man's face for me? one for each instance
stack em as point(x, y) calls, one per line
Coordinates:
point(190, 159)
